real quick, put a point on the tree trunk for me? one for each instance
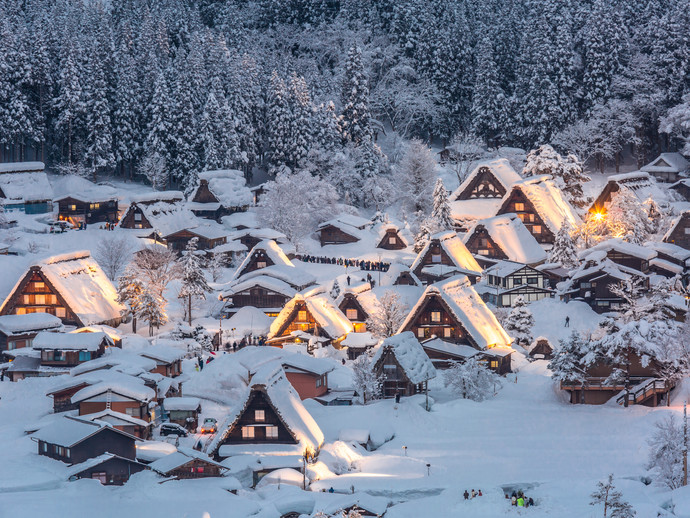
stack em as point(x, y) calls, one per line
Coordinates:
point(134, 325)
point(189, 308)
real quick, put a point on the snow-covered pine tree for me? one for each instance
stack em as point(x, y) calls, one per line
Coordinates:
point(356, 119)
point(665, 459)
point(567, 172)
point(612, 500)
point(390, 313)
point(564, 251)
point(441, 209)
point(519, 322)
point(125, 114)
point(99, 138)
point(184, 160)
point(335, 290)
point(302, 120)
point(415, 174)
point(571, 359)
point(211, 141)
point(472, 380)
point(279, 125)
point(627, 218)
point(130, 290)
point(159, 127)
point(366, 382)
point(152, 310)
point(68, 103)
point(193, 280)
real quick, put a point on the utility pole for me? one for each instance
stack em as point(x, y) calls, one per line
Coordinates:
point(685, 443)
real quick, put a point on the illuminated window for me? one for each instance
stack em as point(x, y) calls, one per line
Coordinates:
point(51, 299)
point(39, 285)
point(483, 252)
point(420, 332)
point(21, 311)
point(60, 312)
point(447, 332)
point(519, 207)
point(435, 316)
point(26, 299)
point(40, 299)
point(392, 240)
point(493, 364)
point(260, 415)
point(261, 264)
point(302, 316)
point(536, 229)
point(687, 230)
point(271, 432)
point(72, 207)
point(247, 432)
point(101, 476)
point(351, 314)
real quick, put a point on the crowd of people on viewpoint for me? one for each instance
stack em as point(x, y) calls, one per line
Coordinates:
point(517, 499)
point(371, 266)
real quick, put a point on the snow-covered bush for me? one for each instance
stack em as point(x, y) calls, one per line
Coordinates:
point(388, 316)
point(566, 172)
point(472, 380)
point(666, 453)
point(366, 382)
point(519, 322)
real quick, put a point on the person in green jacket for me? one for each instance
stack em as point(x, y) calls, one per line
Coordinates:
point(521, 502)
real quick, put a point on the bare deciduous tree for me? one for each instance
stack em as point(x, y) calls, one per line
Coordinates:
point(113, 253)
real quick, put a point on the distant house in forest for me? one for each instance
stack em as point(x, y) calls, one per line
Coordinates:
point(540, 205)
point(220, 193)
point(453, 311)
point(341, 230)
point(24, 187)
point(309, 317)
point(679, 233)
point(682, 187)
point(667, 167)
point(443, 256)
point(402, 364)
point(73, 287)
point(268, 419)
point(158, 214)
point(504, 237)
point(637, 182)
point(82, 201)
point(390, 237)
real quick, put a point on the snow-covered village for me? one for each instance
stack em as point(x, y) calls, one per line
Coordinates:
point(344, 258)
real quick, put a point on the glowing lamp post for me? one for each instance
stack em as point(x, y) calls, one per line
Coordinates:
point(405, 450)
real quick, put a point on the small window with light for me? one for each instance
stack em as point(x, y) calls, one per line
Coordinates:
point(260, 416)
point(435, 316)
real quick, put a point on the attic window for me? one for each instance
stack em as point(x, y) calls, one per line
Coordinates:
point(259, 416)
point(271, 432)
point(435, 258)
point(447, 332)
point(302, 316)
point(392, 240)
point(247, 432)
point(519, 207)
point(261, 264)
point(536, 229)
point(435, 316)
point(351, 314)
point(137, 216)
point(687, 230)
point(60, 312)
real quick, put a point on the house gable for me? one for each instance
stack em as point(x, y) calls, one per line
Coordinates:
point(135, 218)
point(434, 255)
point(300, 319)
point(405, 279)
point(259, 259)
point(391, 240)
point(434, 317)
point(517, 202)
point(203, 193)
point(481, 243)
point(483, 185)
point(354, 311)
point(332, 235)
point(680, 233)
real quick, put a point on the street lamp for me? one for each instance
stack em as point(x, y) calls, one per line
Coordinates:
point(405, 450)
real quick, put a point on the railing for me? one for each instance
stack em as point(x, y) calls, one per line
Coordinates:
point(642, 391)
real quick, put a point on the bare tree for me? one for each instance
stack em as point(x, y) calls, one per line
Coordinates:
point(158, 266)
point(466, 149)
point(113, 253)
point(390, 313)
point(366, 382)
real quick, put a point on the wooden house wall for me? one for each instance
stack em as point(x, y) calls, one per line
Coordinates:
point(70, 208)
point(391, 241)
point(423, 327)
point(350, 302)
point(601, 204)
point(480, 243)
point(628, 260)
point(683, 190)
point(179, 240)
point(26, 299)
point(331, 235)
point(62, 401)
point(435, 249)
point(484, 185)
point(258, 401)
point(306, 384)
point(394, 380)
point(601, 298)
point(129, 220)
point(405, 279)
point(105, 440)
point(681, 233)
point(259, 297)
point(529, 216)
point(137, 408)
point(117, 471)
point(258, 256)
point(16, 341)
point(308, 325)
point(203, 194)
point(196, 468)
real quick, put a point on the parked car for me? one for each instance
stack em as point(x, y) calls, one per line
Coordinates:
point(173, 429)
point(210, 425)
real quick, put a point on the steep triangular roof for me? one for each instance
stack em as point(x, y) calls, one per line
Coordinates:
point(513, 238)
point(667, 162)
point(410, 356)
point(330, 319)
point(272, 251)
point(453, 246)
point(501, 170)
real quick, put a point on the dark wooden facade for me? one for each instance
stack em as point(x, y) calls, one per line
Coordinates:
point(114, 471)
point(259, 297)
point(483, 185)
point(395, 379)
point(95, 211)
point(196, 468)
point(203, 194)
point(69, 358)
point(433, 317)
point(16, 341)
point(680, 233)
point(405, 278)
point(332, 235)
point(258, 259)
point(179, 240)
point(594, 289)
point(521, 205)
point(434, 255)
point(354, 312)
point(683, 188)
point(36, 294)
point(135, 218)
point(300, 319)
point(104, 440)
point(541, 349)
point(130, 406)
point(62, 399)
point(631, 261)
point(481, 243)
point(391, 240)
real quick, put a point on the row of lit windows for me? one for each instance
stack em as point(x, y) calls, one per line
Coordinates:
point(39, 299)
point(423, 331)
point(248, 432)
point(57, 450)
point(60, 312)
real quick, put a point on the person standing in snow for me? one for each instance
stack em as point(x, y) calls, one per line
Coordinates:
point(466, 495)
point(513, 500)
point(521, 502)
point(473, 493)
point(397, 397)
point(480, 493)
point(348, 280)
point(567, 321)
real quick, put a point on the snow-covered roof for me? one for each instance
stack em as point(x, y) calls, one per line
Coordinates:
point(548, 201)
point(167, 218)
point(173, 461)
point(286, 402)
point(667, 162)
point(509, 232)
point(70, 341)
point(476, 208)
point(70, 431)
point(453, 246)
point(504, 268)
point(20, 324)
point(410, 355)
point(182, 403)
point(370, 503)
point(26, 187)
point(163, 353)
point(468, 308)
point(114, 418)
point(298, 278)
point(270, 283)
point(236, 219)
point(401, 232)
point(364, 339)
point(272, 250)
point(349, 220)
point(623, 247)
point(83, 285)
point(670, 249)
point(248, 320)
point(229, 187)
point(501, 170)
point(329, 318)
point(157, 196)
point(71, 186)
point(343, 227)
point(458, 350)
point(22, 167)
point(641, 184)
point(674, 224)
point(131, 388)
point(394, 271)
point(118, 360)
point(257, 233)
point(597, 262)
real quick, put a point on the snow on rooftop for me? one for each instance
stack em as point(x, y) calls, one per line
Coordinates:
point(667, 162)
point(504, 268)
point(478, 208)
point(453, 246)
point(394, 271)
point(364, 339)
point(18, 324)
point(72, 186)
point(182, 403)
point(460, 350)
point(229, 187)
point(67, 431)
point(245, 219)
point(509, 232)
point(249, 320)
point(26, 187)
point(673, 250)
point(70, 341)
point(410, 355)
point(157, 196)
point(126, 386)
point(623, 247)
point(500, 168)
point(163, 353)
point(298, 278)
point(272, 250)
point(167, 218)
point(270, 283)
point(329, 318)
point(179, 458)
point(114, 418)
point(22, 167)
point(549, 202)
